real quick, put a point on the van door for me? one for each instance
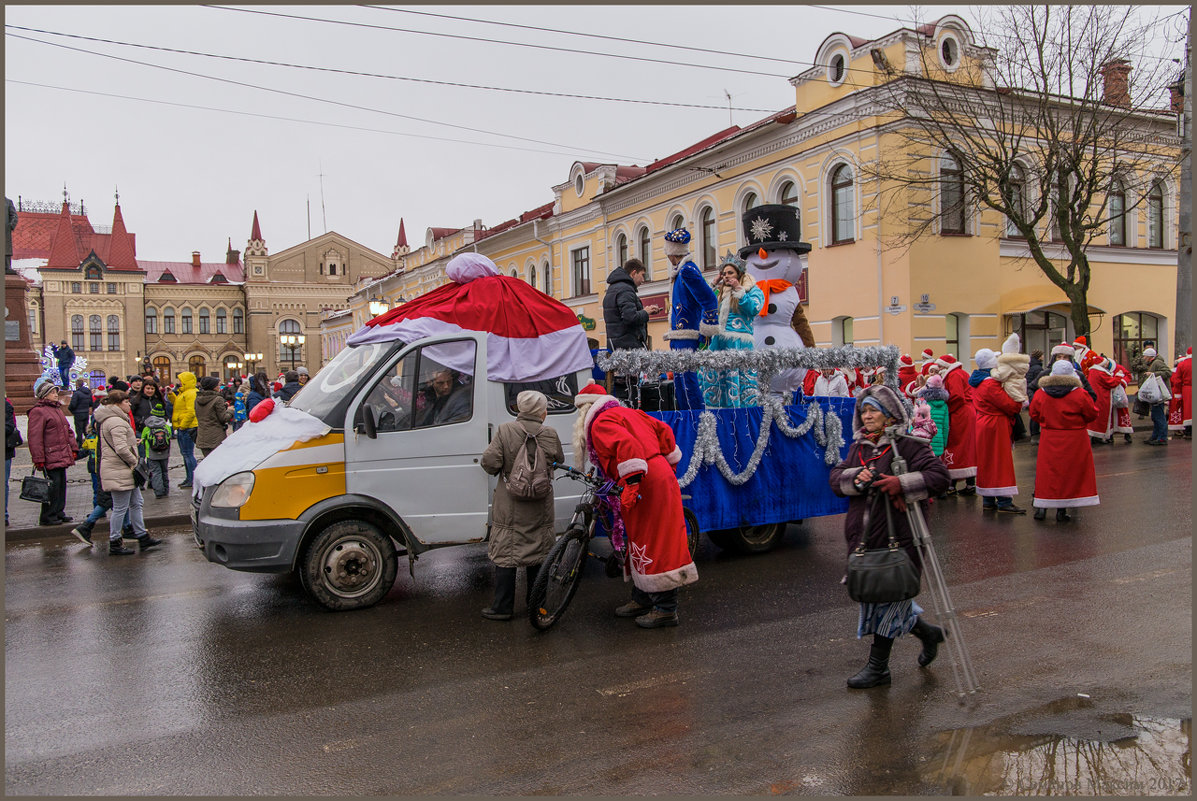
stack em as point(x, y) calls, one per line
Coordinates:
point(430, 416)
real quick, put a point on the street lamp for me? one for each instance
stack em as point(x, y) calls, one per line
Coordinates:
point(377, 306)
point(293, 343)
point(253, 358)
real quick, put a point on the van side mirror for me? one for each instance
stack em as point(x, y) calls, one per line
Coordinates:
point(368, 423)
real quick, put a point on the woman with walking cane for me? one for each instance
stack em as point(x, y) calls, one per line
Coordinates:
point(876, 508)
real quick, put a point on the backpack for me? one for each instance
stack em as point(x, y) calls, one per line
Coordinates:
point(159, 441)
point(529, 479)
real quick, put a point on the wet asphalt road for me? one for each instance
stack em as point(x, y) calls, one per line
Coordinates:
point(163, 674)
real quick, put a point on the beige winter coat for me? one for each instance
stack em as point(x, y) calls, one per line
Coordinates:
point(1011, 373)
point(118, 448)
point(521, 532)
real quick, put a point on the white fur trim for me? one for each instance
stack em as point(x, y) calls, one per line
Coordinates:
point(708, 330)
point(660, 582)
point(997, 492)
point(676, 248)
point(957, 473)
point(674, 456)
point(581, 400)
point(1066, 350)
point(947, 368)
point(739, 336)
point(1065, 503)
point(682, 333)
point(593, 411)
point(629, 466)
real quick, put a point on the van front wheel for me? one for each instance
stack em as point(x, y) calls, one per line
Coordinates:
point(349, 565)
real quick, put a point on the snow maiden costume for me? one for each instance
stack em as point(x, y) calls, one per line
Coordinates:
point(737, 310)
point(693, 310)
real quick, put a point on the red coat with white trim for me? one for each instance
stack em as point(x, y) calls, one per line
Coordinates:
point(995, 412)
point(1064, 474)
point(629, 442)
point(1103, 382)
point(960, 454)
point(1122, 417)
point(1180, 408)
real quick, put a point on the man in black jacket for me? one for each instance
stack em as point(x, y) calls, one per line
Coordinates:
point(80, 408)
point(625, 316)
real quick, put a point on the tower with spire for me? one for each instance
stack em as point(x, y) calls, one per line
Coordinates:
point(401, 249)
point(257, 265)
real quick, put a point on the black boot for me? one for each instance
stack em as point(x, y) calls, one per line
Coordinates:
point(931, 637)
point(82, 532)
point(1040, 513)
point(117, 548)
point(876, 672)
point(145, 542)
point(504, 601)
point(1062, 516)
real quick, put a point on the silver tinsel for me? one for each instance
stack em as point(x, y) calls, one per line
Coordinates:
point(827, 429)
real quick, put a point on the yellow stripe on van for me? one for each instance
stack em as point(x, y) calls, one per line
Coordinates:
point(284, 493)
point(331, 438)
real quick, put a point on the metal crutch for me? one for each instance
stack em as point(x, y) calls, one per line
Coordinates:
point(941, 599)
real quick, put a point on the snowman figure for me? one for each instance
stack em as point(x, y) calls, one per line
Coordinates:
point(773, 257)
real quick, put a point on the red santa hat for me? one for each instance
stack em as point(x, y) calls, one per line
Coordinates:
point(906, 360)
point(591, 393)
point(1064, 349)
point(946, 361)
point(1081, 341)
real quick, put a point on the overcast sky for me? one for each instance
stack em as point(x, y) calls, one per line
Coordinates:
point(192, 174)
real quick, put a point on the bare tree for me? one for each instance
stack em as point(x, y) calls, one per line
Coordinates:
point(1037, 124)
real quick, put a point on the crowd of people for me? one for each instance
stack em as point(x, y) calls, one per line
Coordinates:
point(126, 430)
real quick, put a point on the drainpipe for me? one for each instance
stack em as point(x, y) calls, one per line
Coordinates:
point(880, 285)
point(536, 236)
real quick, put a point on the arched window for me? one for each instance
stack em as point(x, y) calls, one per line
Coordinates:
point(707, 237)
point(841, 331)
point(77, 332)
point(286, 352)
point(196, 365)
point(168, 320)
point(186, 321)
point(532, 274)
point(515, 273)
point(621, 249)
point(95, 333)
point(843, 221)
point(114, 332)
point(788, 194)
point(204, 322)
point(951, 197)
point(151, 321)
point(162, 369)
point(1155, 216)
point(238, 321)
point(646, 251)
point(229, 369)
point(750, 200)
point(1131, 331)
point(677, 222)
point(548, 278)
point(1017, 198)
point(1116, 203)
point(222, 321)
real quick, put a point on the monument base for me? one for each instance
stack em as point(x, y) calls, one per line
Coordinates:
point(22, 364)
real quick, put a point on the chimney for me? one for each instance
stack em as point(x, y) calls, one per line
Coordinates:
point(195, 258)
point(1116, 84)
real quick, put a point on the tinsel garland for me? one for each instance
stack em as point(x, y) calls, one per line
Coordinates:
point(828, 431)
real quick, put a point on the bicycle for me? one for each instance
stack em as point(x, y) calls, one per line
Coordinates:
point(561, 571)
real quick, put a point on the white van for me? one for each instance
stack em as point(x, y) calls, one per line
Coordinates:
point(397, 471)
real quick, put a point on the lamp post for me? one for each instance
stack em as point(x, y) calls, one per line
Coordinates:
point(377, 306)
point(236, 368)
point(293, 343)
point(251, 359)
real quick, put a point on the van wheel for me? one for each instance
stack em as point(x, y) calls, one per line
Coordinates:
point(349, 565)
point(749, 539)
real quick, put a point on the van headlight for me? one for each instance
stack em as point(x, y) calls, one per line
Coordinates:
point(234, 491)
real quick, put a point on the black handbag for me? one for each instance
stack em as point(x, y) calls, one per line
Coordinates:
point(141, 474)
point(36, 488)
point(881, 575)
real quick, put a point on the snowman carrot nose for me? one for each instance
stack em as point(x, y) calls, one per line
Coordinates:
point(762, 253)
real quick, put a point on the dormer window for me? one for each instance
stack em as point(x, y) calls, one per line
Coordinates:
point(837, 68)
point(949, 51)
point(579, 185)
point(167, 277)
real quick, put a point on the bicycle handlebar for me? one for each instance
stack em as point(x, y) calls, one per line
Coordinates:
point(587, 478)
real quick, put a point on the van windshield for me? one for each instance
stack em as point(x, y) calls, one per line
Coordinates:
point(328, 394)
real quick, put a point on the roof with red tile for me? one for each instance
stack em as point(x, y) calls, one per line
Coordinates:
point(35, 231)
point(401, 242)
point(185, 272)
point(256, 233)
point(120, 244)
point(692, 149)
point(441, 233)
point(66, 239)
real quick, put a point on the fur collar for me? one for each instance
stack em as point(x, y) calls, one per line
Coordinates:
point(727, 298)
point(1049, 380)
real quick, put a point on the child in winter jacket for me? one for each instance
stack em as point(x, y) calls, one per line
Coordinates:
point(240, 412)
point(921, 425)
point(936, 397)
point(1011, 370)
point(155, 442)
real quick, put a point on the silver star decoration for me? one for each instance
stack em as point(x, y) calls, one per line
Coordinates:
point(783, 236)
point(761, 228)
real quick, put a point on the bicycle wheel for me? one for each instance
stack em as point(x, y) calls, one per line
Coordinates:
point(558, 579)
point(692, 532)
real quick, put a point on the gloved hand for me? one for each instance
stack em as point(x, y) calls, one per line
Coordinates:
point(631, 492)
point(889, 485)
point(39, 466)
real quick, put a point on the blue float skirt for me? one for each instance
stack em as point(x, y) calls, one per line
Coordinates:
point(889, 620)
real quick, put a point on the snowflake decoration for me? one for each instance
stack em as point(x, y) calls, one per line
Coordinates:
point(783, 236)
point(639, 557)
point(761, 228)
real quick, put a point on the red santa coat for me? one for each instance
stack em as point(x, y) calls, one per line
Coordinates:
point(1103, 382)
point(1122, 417)
point(1180, 408)
point(907, 378)
point(808, 382)
point(995, 450)
point(627, 442)
point(960, 454)
point(1064, 474)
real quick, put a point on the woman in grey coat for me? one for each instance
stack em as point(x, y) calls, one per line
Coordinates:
point(521, 531)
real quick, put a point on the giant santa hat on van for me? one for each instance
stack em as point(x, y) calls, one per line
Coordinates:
point(530, 335)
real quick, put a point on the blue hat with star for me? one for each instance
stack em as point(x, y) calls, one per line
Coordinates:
point(677, 242)
point(773, 227)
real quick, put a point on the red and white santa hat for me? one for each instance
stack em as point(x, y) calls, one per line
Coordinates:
point(1080, 342)
point(906, 360)
point(928, 354)
point(591, 393)
point(946, 361)
point(1064, 349)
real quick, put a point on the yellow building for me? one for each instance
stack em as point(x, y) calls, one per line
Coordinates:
point(962, 285)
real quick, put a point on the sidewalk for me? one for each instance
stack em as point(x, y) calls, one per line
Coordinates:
point(173, 510)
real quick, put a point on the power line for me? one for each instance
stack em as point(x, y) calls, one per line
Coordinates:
point(317, 99)
point(497, 41)
point(357, 73)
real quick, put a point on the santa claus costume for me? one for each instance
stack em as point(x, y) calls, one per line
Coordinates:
point(960, 455)
point(995, 411)
point(1180, 408)
point(907, 375)
point(629, 446)
point(928, 361)
point(1122, 416)
point(1064, 474)
point(1103, 381)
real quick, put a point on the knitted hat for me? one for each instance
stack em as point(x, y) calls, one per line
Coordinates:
point(531, 402)
point(906, 360)
point(158, 410)
point(935, 381)
point(985, 359)
point(121, 385)
point(1064, 349)
point(1148, 352)
point(209, 382)
point(590, 393)
point(44, 388)
point(1063, 367)
point(1011, 345)
point(677, 242)
point(302, 370)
